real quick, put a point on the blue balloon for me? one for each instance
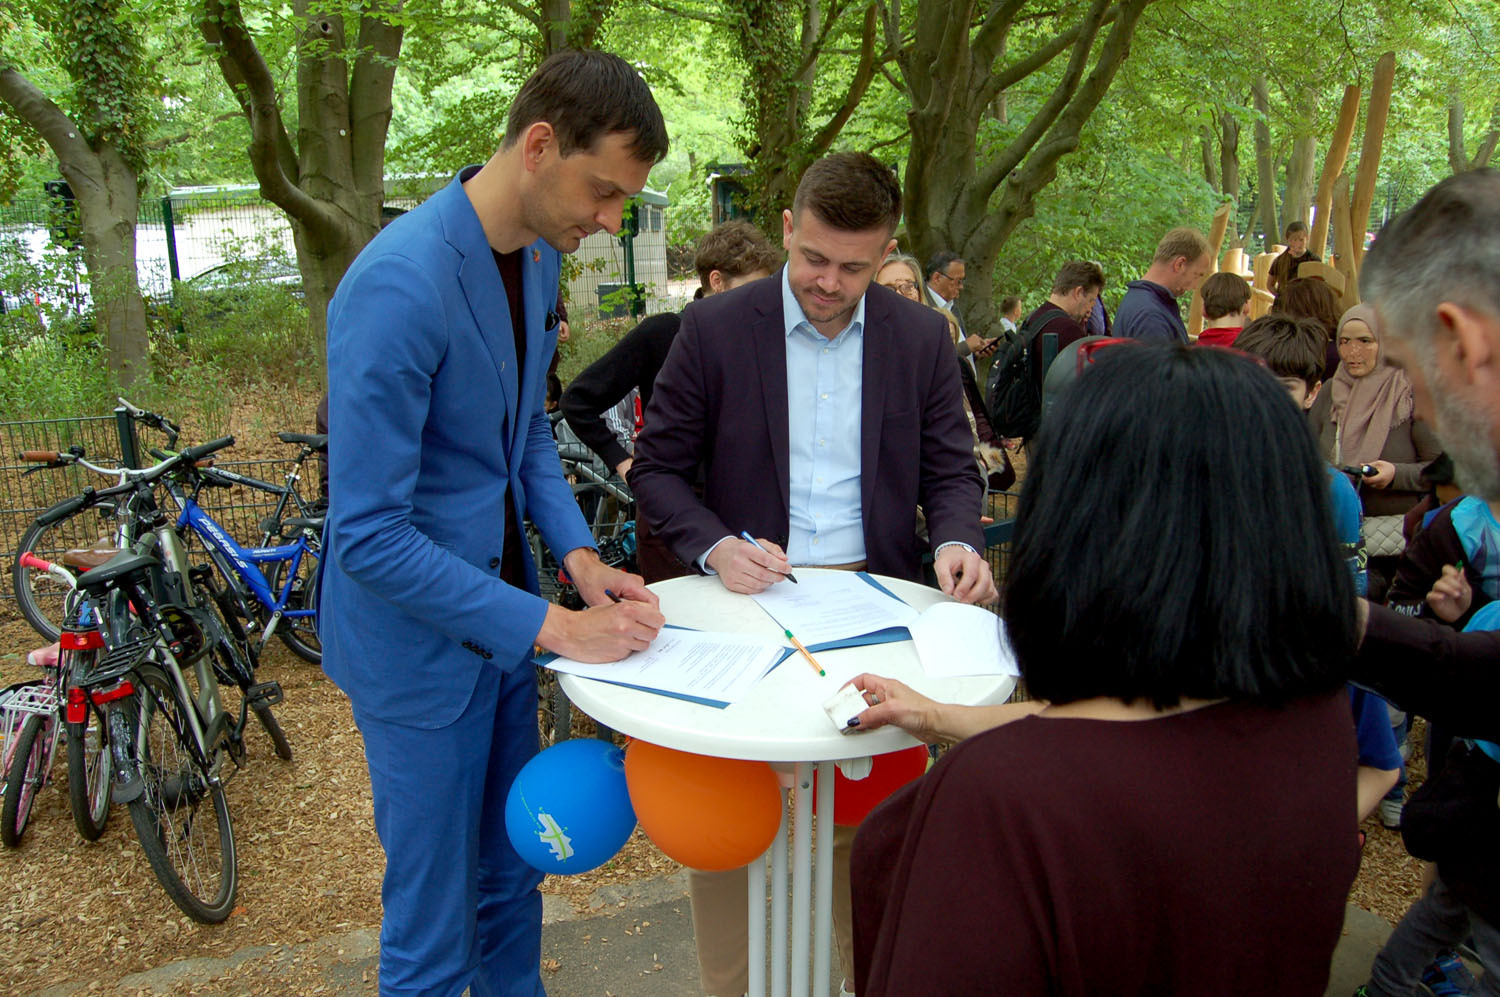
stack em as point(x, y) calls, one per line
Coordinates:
point(568, 810)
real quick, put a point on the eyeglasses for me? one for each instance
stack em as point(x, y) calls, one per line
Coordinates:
point(901, 286)
point(956, 280)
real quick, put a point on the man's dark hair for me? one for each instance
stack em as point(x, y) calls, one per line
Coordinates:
point(1309, 297)
point(585, 96)
point(1078, 273)
point(1148, 565)
point(851, 191)
point(1292, 228)
point(1224, 293)
point(1009, 302)
point(1291, 347)
point(734, 248)
point(939, 261)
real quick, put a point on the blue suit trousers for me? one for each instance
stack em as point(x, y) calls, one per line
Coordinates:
point(461, 909)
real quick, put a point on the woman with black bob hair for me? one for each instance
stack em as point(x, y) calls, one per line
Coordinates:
point(1173, 815)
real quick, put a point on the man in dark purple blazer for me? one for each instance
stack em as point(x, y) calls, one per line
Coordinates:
point(818, 411)
point(822, 410)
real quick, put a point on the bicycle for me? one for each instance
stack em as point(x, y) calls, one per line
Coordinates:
point(38, 713)
point(168, 729)
point(255, 589)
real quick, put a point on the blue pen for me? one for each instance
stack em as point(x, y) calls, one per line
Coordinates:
point(746, 535)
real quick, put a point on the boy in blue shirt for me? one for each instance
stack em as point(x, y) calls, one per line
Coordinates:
point(1292, 349)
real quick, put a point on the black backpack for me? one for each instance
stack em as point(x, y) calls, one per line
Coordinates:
point(1013, 392)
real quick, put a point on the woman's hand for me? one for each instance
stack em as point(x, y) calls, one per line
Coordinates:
point(896, 704)
point(1385, 473)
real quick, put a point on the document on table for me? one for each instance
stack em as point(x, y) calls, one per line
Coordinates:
point(953, 639)
point(714, 668)
point(830, 607)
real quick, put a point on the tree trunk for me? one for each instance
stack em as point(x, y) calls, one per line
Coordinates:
point(1265, 173)
point(1458, 157)
point(107, 194)
point(958, 200)
point(331, 181)
point(108, 200)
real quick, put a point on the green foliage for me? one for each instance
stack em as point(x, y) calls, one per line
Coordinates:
point(587, 342)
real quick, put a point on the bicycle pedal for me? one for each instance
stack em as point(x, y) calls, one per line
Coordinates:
point(264, 694)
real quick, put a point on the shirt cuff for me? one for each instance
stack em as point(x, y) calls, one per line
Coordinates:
point(952, 543)
point(702, 560)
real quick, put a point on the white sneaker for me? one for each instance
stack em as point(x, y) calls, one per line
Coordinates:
point(1390, 814)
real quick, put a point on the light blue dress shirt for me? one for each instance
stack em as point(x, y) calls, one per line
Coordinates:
point(824, 402)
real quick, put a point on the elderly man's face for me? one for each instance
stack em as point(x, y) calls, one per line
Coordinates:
point(1461, 409)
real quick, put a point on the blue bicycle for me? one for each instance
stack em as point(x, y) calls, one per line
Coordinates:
point(267, 589)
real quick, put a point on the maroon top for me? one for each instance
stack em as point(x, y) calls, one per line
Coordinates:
point(1206, 852)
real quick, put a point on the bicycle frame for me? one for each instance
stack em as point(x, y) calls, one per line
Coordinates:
point(245, 562)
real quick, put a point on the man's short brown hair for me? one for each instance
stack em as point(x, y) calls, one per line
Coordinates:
point(1185, 242)
point(734, 248)
point(1078, 273)
point(585, 96)
point(1224, 294)
point(1291, 347)
point(851, 191)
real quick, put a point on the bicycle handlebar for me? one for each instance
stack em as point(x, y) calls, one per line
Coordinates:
point(41, 456)
point(30, 560)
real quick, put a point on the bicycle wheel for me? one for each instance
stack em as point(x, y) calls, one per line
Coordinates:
point(90, 771)
point(23, 780)
point(40, 596)
point(181, 817)
point(299, 633)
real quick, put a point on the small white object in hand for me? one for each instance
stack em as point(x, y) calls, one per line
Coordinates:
point(845, 705)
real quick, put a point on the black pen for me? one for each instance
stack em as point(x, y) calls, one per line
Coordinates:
point(612, 596)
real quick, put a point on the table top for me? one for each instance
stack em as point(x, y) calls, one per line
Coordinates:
point(782, 718)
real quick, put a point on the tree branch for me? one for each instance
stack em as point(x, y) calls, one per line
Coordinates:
point(56, 128)
point(1458, 159)
point(864, 73)
point(686, 14)
point(1018, 71)
point(271, 155)
point(1487, 145)
point(370, 93)
point(1027, 142)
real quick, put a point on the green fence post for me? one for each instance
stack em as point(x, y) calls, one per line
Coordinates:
point(174, 273)
point(125, 427)
point(630, 225)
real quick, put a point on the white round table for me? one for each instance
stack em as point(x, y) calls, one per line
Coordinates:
point(781, 720)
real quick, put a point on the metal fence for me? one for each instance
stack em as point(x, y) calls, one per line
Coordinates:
point(194, 233)
point(187, 235)
point(23, 496)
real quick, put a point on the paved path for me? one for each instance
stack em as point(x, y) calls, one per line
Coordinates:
point(636, 942)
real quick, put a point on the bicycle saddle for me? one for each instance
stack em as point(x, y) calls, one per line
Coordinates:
point(318, 441)
point(97, 579)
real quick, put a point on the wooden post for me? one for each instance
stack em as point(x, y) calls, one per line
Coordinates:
point(1234, 262)
point(1260, 302)
point(1261, 265)
point(1338, 153)
point(1335, 279)
point(1369, 155)
point(1343, 242)
point(1216, 230)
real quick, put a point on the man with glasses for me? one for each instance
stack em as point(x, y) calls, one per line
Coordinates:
point(945, 282)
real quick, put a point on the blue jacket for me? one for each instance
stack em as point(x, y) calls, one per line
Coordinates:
point(1148, 312)
point(429, 421)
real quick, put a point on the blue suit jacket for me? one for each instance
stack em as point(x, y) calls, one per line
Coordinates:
point(429, 421)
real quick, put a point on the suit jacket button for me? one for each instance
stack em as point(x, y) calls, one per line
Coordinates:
point(494, 563)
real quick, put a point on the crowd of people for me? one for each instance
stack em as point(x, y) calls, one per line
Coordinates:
point(1206, 599)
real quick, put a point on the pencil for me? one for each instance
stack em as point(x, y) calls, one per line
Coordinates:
point(798, 645)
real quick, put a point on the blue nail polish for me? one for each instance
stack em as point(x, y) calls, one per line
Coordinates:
point(853, 722)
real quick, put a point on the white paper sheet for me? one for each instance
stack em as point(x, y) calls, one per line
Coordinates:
point(715, 666)
point(953, 640)
point(823, 607)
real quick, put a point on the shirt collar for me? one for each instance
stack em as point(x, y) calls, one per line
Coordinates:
point(794, 316)
point(938, 299)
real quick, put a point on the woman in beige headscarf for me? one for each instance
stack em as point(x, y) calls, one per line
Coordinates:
point(1365, 417)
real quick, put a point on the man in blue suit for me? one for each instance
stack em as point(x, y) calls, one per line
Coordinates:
point(438, 344)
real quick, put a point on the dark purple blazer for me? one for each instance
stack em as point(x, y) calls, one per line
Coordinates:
point(721, 403)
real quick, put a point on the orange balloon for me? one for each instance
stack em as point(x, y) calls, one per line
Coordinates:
point(707, 813)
